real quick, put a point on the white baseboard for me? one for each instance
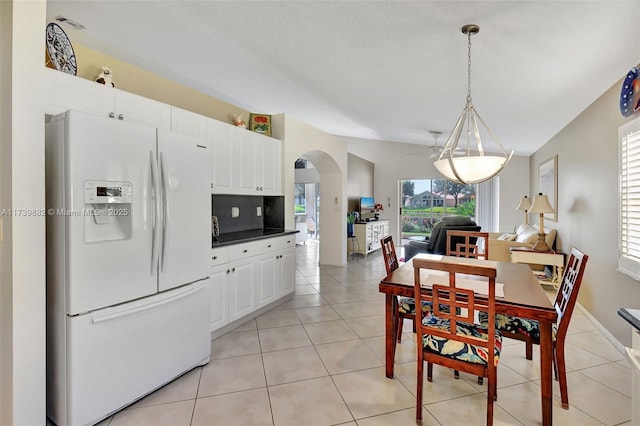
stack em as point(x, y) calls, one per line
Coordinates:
point(619, 346)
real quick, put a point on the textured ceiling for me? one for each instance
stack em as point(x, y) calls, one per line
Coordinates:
point(389, 70)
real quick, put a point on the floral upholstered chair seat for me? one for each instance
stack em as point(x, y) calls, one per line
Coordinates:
point(459, 350)
point(517, 325)
point(407, 305)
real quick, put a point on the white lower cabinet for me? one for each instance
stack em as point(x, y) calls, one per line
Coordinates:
point(267, 278)
point(242, 288)
point(248, 276)
point(286, 272)
point(219, 283)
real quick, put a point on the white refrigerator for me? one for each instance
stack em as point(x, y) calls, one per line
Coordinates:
point(128, 237)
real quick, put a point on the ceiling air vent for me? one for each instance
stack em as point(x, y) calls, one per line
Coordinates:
point(70, 22)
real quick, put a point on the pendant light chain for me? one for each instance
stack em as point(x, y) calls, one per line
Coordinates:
point(469, 68)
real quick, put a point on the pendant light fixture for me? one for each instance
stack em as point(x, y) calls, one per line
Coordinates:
point(470, 164)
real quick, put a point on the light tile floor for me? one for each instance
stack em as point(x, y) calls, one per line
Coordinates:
point(318, 360)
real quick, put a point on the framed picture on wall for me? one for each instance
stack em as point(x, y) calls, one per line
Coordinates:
point(260, 123)
point(548, 184)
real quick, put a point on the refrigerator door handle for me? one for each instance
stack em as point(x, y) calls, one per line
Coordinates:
point(164, 176)
point(98, 318)
point(155, 212)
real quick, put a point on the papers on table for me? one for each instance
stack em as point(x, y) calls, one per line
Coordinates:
point(478, 286)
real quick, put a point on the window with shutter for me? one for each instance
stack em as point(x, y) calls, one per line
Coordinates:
point(629, 182)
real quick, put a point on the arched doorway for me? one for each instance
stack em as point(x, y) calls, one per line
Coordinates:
point(306, 199)
point(329, 220)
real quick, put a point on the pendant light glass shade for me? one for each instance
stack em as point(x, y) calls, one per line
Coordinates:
point(467, 163)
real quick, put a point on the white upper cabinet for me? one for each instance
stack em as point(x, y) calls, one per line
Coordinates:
point(244, 162)
point(223, 140)
point(247, 163)
point(189, 123)
point(65, 92)
point(141, 110)
point(271, 181)
point(258, 169)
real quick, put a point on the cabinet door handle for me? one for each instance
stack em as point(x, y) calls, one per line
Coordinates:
point(244, 251)
point(111, 115)
point(233, 269)
point(120, 117)
point(288, 241)
point(257, 188)
point(228, 271)
point(269, 246)
point(214, 257)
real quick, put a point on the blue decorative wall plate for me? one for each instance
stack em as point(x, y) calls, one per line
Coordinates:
point(630, 93)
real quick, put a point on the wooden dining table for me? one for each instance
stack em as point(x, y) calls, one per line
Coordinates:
point(523, 297)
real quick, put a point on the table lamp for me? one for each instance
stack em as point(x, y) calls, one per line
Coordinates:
point(525, 204)
point(541, 206)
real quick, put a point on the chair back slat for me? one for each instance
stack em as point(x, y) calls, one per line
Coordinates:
point(468, 244)
point(448, 294)
point(448, 301)
point(389, 253)
point(567, 294)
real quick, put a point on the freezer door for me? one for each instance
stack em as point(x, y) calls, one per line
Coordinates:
point(185, 172)
point(117, 355)
point(108, 211)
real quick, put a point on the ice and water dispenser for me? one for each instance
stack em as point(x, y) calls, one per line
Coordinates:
point(107, 211)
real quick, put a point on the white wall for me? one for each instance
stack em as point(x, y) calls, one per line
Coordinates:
point(513, 183)
point(309, 175)
point(587, 152)
point(395, 161)
point(22, 276)
point(359, 180)
point(329, 155)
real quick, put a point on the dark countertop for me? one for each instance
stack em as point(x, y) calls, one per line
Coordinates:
point(632, 316)
point(250, 235)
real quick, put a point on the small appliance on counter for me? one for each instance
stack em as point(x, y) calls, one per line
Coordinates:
point(215, 227)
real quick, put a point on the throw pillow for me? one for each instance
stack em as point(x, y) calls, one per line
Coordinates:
point(527, 235)
point(523, 227)
point(507, 237)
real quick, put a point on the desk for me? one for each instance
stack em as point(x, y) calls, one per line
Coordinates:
point(523, 297)
point(527, 255)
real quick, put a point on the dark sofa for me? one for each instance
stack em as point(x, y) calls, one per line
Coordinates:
point(437, 243)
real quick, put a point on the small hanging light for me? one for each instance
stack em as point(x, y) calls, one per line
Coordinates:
point(472, 165)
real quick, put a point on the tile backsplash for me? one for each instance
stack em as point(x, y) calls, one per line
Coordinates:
point(271, 210)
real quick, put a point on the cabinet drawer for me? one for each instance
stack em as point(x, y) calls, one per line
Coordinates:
point(219, 256)
point(287, 241)
point(242, 251)
point(267, 245)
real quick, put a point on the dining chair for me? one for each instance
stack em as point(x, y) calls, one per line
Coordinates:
point(528, 330)
point(406, 305)
point(468, 244)
point(449, 337)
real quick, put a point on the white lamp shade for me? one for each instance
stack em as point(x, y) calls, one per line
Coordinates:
point(541, 205)
point(525, 203)
point(471, 169)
